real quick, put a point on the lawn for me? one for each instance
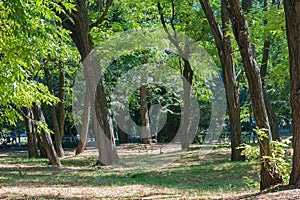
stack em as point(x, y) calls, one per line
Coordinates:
point(191, 176)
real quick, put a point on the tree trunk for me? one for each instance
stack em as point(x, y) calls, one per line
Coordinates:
point(55, 123)
point(102, 121)
point(185, 119)
point(123, 136)
point(80, 26)
point(225, 51)
point(292, 13)
point(85, 125)
point(31, 132)
point(46, 138)
point(43, 153)
point(146, 134)
point(269, 175)
point(61, 111)
point(263, 74)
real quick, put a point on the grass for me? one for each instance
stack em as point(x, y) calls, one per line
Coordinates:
point(210, 177)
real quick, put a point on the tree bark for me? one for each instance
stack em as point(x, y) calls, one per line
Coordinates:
point(31, 132)
point(292, 14)
point(61, 110)
point(46, 138)
point(225, 51)
point(54, 119)
point(263, 73)
point(269, 175)
point(78, 23)
point(85, 125)
point(146, 134)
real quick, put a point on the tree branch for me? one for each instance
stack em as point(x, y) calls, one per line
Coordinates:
point(102, 17)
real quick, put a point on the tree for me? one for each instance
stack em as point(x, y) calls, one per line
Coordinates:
point(187, 73)
point(292, 13)
point(79, 24)
point(27, 34)
point(223, 43)
point(269, 177)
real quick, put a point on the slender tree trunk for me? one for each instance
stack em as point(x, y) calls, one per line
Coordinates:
point(123, 136)
point(263, 73)
point(292, 13)
point(54, 119)
point(269, 175)
point(31, 132)
point(187, 87)
point(61, 111)
point(85, 125)
point(225, 51)
point(46, 138)
point(144, 111)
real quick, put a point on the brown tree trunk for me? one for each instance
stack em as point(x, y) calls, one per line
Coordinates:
point(185, 119)
point(85, 125)
point(292, 13)
point(263, 73)
point(61, 111)
point(78, 23)
point(269, 175)
point(225, 51)
point(123, 136)
point(46, 138)
point(54, 119)
point(31, 132)
point(187, 80)
point(144, 111)
point(43, 153)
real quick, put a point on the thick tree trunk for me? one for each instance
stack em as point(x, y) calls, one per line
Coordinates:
point(104, 127)
point(80, 26)
point(146, 134)
point(292, 13)
point(54, 119)
point(225, 51)
point(43, 153)
point(102, 121)
point(85, 125)
point(46, 139)
point(31, 132)
point(269, 177)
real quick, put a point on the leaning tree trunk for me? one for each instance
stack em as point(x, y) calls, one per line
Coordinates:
point(223, 43)
point(263, 73)
point(31, 134)
point(54, 119)
point(46, 138)
point(79, 24)
point(102, 121)
point(85, 126)
point(269, 174)
point(43, 153)
point(292, 13)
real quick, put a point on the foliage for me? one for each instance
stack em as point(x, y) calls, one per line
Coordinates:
point(278, 158)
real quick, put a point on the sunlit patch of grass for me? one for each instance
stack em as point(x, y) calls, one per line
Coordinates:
point(212, 175)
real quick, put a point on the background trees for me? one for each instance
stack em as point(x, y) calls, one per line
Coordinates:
point(41, 43)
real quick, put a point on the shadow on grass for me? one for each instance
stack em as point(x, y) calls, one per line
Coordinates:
point(215, 173)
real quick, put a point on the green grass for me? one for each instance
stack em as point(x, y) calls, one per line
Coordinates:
point(213, 175)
